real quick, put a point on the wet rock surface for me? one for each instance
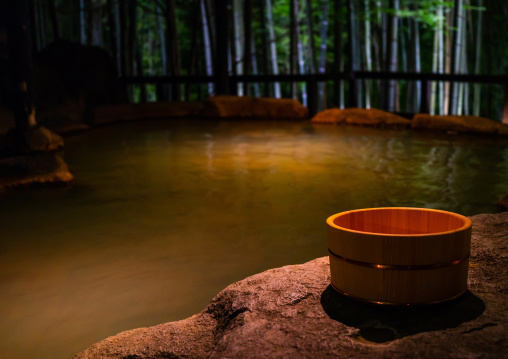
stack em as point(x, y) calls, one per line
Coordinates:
point(502, 204)
point(362, 117)
point(253, 107)
point(149, 110)
point(36, 168)
point(472, 124)
point(41, 139)
point(292, 312)
point(33, 156)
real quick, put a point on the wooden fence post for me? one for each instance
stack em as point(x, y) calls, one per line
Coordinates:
point(505, 107)
point(424, 102)
point(312, 95)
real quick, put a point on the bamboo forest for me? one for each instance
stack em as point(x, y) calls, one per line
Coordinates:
point(324, 53)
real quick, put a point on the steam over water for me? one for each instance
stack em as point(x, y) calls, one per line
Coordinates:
point(163, 215)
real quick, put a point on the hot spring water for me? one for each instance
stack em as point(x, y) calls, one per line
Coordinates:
point(163, 215)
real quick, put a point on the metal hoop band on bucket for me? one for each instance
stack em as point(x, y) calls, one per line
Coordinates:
point(400, 267)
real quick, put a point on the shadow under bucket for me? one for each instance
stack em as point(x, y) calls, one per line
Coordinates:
point(400, 256)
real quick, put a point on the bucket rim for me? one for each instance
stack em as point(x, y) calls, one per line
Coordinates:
point(467, 222)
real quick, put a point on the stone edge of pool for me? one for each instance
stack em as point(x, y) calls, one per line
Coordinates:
point(292, 312)
point(41, 161)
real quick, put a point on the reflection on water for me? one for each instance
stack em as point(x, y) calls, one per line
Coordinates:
point(165, 215)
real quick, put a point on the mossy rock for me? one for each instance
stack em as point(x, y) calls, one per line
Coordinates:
point(34, 169)
point(253, 107)
point(361, 117)
point(41, 139)
point(147, 110)
point(454, 123)
point(502, 204)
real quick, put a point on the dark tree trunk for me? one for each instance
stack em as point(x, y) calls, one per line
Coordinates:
point(353, 99)
point(299, 46)
point(193, 48)
point(137, 64)
point(337, 43)
point(114, 34)
point(264, 44)
point(35, 47)
point(20, 67)
point(221, 33)
point(124, 38)
point(41, 24)
point(162, 89)
point(54, 19)
point(247, 57)
point(96, 25)
point(292, 46)
point(172, 46)
point(82, 22)
point(490, 54)
point(232, 47)
point(312, 45)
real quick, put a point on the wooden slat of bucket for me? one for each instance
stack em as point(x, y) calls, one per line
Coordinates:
point(416, 238)
point(384, 249)
point(425, 286)
point(399, 286)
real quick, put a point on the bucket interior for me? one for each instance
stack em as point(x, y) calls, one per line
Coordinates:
point(400, 221)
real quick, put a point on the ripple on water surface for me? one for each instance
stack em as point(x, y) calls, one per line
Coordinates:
point(164, 215)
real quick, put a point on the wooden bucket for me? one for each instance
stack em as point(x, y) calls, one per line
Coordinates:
point(399, 255)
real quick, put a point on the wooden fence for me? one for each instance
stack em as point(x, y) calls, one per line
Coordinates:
point(224, 84)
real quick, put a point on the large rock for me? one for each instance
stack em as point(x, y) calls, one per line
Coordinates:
point(148, 110)
point(6, 120)
point(361, 116)
point(36, 168)
point(502, 204)
point(69, 116)
point(453, 123)
point(292, 312)
point(39, 138)
point(70, 78)
point(254, 107)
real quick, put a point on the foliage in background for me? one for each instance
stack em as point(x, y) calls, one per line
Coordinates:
point(485, 32)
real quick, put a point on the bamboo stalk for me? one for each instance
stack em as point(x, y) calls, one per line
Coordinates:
point(322, 59)
point(440, 52)
point(299, 46)
point(477, 87)
point(237, 21)
point(368, 57)
point(207, 46)
point(393, 57)
point(273, 49)
point(434, 69)
point(82, 22)
point(458, 54)
point(254, 62)
point(417, 65)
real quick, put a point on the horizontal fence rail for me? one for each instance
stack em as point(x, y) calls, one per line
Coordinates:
point(358, 75)
point(312, 81)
